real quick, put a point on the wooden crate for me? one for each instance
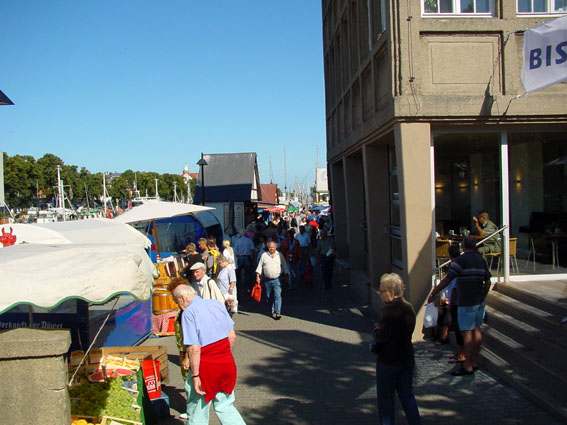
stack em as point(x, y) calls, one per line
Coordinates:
point(89, 419)
point(146, 352)
point(107, 420)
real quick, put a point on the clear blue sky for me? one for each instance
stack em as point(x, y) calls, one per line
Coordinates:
point(150, 84)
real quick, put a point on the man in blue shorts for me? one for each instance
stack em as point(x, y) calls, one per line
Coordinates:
point(473, 283)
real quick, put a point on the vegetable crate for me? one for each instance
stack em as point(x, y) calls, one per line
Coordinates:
point(107, 420)
point(147, 352)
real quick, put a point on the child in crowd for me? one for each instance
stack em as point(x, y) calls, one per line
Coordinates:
point(308, 273)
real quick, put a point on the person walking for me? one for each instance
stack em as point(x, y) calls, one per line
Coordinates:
point(305, 247)
point(226, 281)
point(292, 253)
point(395, 360)
point(473, 284)
point(244, 252)
point(208, 332)
point(325, 250)
point(272, 266)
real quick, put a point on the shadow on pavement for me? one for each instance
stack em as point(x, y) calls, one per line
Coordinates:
point(317, 380)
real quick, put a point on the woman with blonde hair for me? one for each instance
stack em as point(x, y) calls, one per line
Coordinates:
point(228, 252)
point(394, 352)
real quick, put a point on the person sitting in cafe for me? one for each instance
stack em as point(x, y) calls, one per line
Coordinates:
point(484, 228)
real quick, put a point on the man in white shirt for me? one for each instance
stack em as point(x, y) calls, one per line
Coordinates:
point(272, 265)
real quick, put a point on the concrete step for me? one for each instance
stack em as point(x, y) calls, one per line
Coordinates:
point(546, 349)
point(542, 296)
point(536, 316)
point(547, 368)
point(525, 345)
point(524, 381)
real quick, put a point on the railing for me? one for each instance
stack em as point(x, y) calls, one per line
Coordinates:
point(477, 244)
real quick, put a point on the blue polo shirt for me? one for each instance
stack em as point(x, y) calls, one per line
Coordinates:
point(204, 322)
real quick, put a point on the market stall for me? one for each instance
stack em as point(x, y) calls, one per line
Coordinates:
point(72, 254)
point(50, 275)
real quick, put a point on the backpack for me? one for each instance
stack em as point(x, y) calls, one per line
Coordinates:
point(215, 254)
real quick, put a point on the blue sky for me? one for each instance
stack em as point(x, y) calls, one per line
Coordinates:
point(149, 85)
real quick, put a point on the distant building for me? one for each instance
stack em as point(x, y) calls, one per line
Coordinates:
point(424, 130)
point(231, 185)
point(269, 196)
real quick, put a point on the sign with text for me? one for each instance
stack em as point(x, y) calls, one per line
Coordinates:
point(321, 182)
point(545, 55)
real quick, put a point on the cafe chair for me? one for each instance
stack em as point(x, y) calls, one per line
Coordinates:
point(512, 250)
point(531, 253)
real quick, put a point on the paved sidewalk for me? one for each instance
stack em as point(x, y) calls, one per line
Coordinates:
point(314, 367)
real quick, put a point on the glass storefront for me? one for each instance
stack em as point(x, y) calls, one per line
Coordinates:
point(538, 200)
point(468, 180)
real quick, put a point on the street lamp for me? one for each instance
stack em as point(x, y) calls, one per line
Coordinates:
point(201, 163)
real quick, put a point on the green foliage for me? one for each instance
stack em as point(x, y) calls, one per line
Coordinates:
point(25, 178)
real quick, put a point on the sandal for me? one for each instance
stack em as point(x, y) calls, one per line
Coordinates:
point(462, 372)
point(441, 342)
point(454, 360)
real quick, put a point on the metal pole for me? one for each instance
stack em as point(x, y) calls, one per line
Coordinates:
point(203, 180)
point(505, 191)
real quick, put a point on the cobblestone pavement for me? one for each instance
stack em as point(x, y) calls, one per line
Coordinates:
point(314, 367)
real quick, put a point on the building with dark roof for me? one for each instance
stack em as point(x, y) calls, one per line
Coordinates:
point(231, 185)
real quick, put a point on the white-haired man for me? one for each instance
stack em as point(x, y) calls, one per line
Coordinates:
point(208, 331)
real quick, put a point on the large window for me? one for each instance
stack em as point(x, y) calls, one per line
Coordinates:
point(542, 6)
point(460, 7)
point(538, 200)
point(467, 181)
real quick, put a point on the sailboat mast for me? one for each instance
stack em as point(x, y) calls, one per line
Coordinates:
point(285, 173)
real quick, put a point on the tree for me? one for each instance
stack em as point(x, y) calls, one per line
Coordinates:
point(25, 177)
point(20, 178)
point(47, 173)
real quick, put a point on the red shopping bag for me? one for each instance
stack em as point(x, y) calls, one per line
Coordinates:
point(256, 292)
point(150, 370)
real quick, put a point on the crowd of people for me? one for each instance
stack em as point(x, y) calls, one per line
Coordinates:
point(279, 252)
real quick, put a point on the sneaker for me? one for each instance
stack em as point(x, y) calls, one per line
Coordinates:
point(183, 416)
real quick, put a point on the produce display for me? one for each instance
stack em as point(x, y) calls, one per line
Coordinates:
point(115, 397)
point(83, 422)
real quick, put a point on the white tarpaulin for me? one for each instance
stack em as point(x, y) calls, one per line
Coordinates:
point(154, 210)
point(92, 231)
point(545, 55)
point(45, 275)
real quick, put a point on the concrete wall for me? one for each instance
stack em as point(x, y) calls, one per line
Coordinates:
point(354, 189)
point(376, 175)
point(338, 196)
point(33, 374)
point(460, 69)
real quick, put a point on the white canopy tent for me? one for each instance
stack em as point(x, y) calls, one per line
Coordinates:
point(154, 210)
point(46, 275)
point(92, 231)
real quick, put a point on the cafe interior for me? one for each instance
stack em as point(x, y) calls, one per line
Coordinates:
point(469, 171)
